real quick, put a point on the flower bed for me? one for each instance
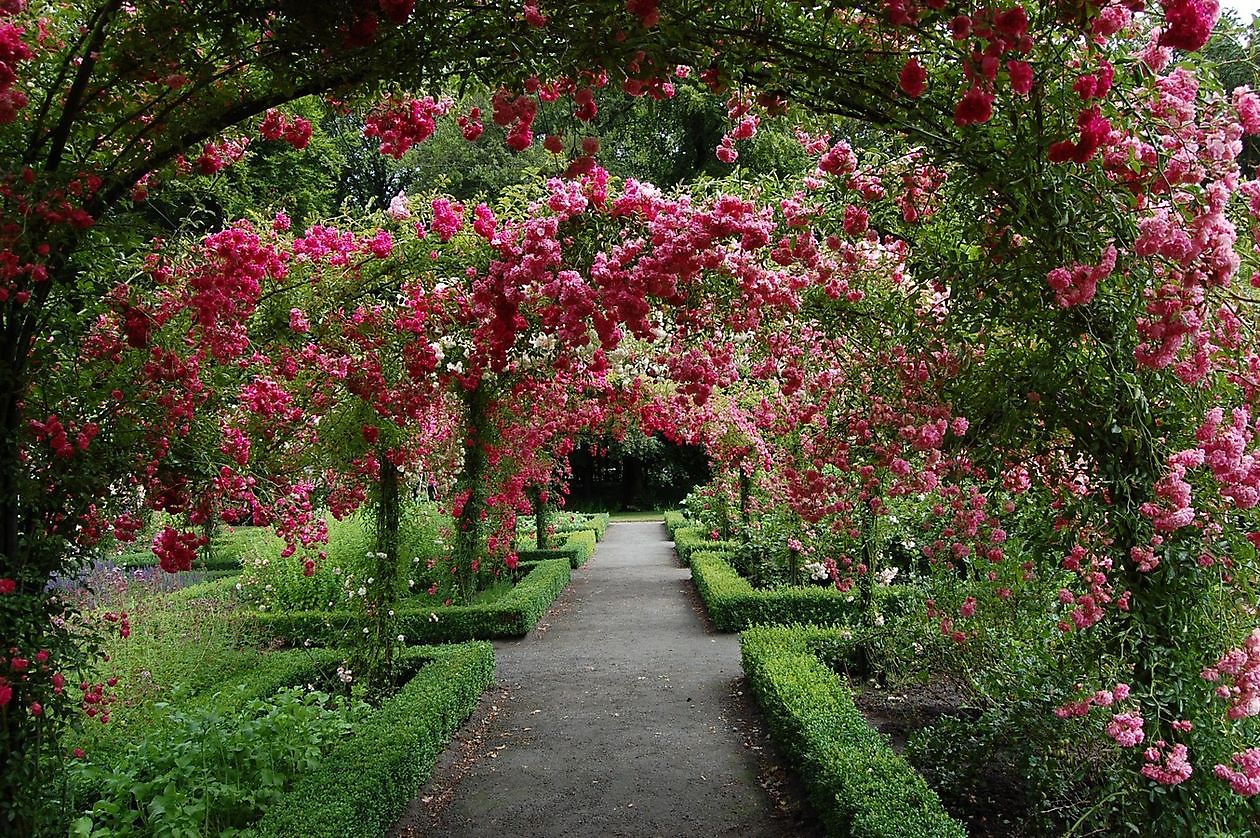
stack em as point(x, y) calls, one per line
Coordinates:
point(858, 785)
point(596, 523)
point(365, 783)
point(329, 783)
point(512, 615)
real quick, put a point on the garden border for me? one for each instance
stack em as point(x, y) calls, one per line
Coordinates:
point(513, 615)
point(734, 604)
point(688, 541)
point(577, 549)
point(858, 785)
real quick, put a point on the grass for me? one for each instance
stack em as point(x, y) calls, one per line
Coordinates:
point(645, 515)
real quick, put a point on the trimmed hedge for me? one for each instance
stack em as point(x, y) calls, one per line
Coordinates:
point(596, 522)
point(691, 540)
point(577, 549)
point(513, 615)
point(365, 783)
point(675, 521)
point(734, 604)
point(142, 561)
point(858, 785)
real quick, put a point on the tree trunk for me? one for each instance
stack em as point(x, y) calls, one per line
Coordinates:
point(470, 526)
point(540, 517)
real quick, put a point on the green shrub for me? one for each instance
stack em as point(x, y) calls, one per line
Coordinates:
point(358, 786)
point(734, 604)
point(596, 523)
point(674, 521)
point(575, 547)
point(364, 784)
point(513, 615)
point(860, 788)
point(689, 541)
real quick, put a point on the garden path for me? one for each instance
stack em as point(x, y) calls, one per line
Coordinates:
point(623, 714)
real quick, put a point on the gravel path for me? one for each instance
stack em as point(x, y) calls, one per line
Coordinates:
point(622, 714)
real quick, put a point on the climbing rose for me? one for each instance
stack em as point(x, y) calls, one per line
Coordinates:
point(7, 586)
point(1021, 76)
point(647, 11)
point(1247, 781)
point(1190, 23)
point(975, 107)
point(913, 79)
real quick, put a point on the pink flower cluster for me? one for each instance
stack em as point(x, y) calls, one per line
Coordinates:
point(1165, 765)
point(12, 51)
point(401, 125)
point(1078, 285)
point(1188, 23)
point(1242, 667)
point(177, 550)
point(519, 113)
point(1246, 779)
point(1101, 698)
point(295, 131)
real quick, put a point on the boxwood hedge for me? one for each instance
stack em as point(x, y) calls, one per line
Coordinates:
point(858, 785)
point(690, 540)
point(674, 521)
point(734, 604)
point(513, 615)
point(596, 523)
point(576, 548)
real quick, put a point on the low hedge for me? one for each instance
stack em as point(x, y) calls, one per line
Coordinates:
point(675, 521)
point(691, 540)
point(576, 548)
point(858, 785)
point(596, 522)
point(734, 604)
point(218, 561)
point(365, 783)
point(513, 615)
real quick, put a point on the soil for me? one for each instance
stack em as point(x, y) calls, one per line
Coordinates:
point(993, 803)
point(623, 714)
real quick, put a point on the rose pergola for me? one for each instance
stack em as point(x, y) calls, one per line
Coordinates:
point(1027, 315)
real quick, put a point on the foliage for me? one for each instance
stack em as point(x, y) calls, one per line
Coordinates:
point(735, 605)
point(213, 773)
point(272, 582)
point(689, 540)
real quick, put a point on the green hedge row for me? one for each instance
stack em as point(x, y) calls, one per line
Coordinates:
point(858, 785)
point(596, 523)
point(734, 604)
point(690, 540)
point(513, 615)
point(141, 560)
point(576, 548)
point(675, 521)
point(365, 783)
